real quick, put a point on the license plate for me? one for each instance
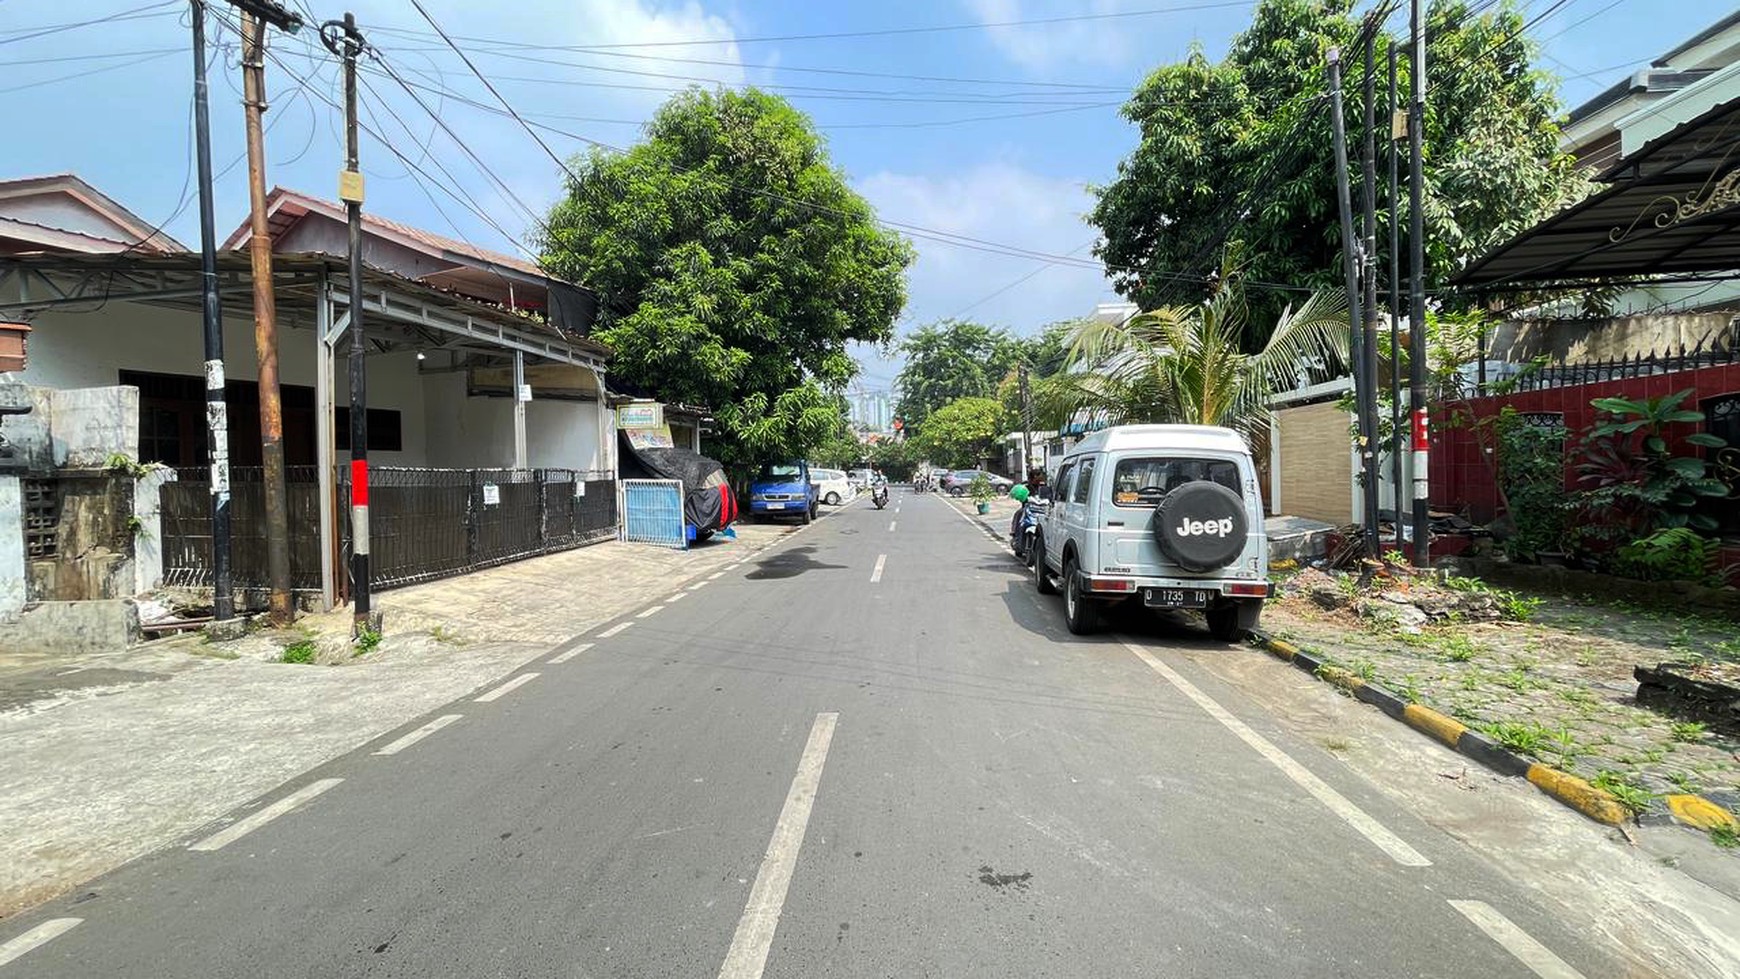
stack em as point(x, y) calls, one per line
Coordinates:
point(776, 506)
point(1175, 597)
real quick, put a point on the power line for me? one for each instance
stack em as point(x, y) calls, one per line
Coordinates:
point(87, 72)
point(149, 10)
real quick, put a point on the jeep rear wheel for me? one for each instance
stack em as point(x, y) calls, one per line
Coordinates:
point(1041, 576)
point(1080, 612)
point(1232, 621)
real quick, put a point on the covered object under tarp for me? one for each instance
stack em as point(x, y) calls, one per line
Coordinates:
point(708, 505)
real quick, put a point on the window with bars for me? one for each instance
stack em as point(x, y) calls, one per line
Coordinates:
point(41, 519)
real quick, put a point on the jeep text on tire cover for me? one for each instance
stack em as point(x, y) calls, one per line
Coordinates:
point(1213, 528)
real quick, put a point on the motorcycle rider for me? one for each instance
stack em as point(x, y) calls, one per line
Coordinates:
point(1036, 490)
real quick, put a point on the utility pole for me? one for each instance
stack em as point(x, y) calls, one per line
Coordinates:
point(1417, 291)
point(1350, 247)
point(255, 15)
point(216, 411)
point(1368, 332)
point(1397, 429)
point(342, 39)
point(1026, 424)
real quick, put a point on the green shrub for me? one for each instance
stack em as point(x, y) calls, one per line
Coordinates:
point(1671, 554)
point(300, 651)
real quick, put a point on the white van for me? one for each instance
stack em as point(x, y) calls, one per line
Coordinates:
point(1166, 515)
point(832, 486)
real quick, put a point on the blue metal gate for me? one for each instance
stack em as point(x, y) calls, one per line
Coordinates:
point(652, 512)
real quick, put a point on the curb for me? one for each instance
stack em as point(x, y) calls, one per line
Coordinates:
point(1689, 810)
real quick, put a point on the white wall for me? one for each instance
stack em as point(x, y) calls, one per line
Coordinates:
point(479, 431)
point(11, 549)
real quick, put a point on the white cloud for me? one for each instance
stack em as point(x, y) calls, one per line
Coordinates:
point(1000, 203)
point(1042, 46)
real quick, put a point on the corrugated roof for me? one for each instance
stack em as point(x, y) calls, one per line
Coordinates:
point(147, 235)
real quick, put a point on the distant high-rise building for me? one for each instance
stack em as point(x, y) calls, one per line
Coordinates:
point(871, 409)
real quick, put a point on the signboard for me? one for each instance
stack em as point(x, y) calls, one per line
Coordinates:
point(641, 414)
point(650, 438)
point(491, 494)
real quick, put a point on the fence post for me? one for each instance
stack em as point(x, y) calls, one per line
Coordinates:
point(540, 477)
point(473, 516)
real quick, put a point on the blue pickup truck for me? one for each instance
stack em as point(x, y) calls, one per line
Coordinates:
point(783, 490)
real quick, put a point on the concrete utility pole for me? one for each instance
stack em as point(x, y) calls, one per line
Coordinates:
point(1368, 330)
point(217, 418)
point(255, 15)
point(343, 39)
point(1026, 424)
point(1350, 247)
point(1417, 291)
point(1397, 429)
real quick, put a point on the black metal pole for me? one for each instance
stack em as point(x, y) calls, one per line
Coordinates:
point(1350, 248)
point(1417, 291)
point(216, 410)
point(1397, 429)
point(344, 40)
point(1368, 325)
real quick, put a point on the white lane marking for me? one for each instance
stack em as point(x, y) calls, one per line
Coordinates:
point(1337, 803)
point(749, 946)
point(243, 827)
point(891, 524)
point(1540, 960)
point(506, 688)
point(876, 575)
point(419, 734)
point(651, 611)
point(679, 596)
point(37, 937)
point(714, 576)
point(560, 658)
point(613, 630)
point(980, 526)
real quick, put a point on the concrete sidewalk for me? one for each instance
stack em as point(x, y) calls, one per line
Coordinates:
point(110, 756)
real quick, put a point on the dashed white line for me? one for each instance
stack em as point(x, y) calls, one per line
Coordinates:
point(1540, 960)
point(561, 658)
point(37, 937)
point(613, 630)
point(243, 827)
point(876, 575)
point(714, 576)
point(506, 688)
point(679, 596)
point(891, 524)
point(651, 611)
point(1371, 829)
point(754, 937)
point(419, 734)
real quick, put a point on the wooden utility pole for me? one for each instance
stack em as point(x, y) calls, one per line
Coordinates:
point(217, 417)
point(254, 17)
point(1026, 424)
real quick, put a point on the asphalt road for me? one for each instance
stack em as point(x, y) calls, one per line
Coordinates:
point(872, 750)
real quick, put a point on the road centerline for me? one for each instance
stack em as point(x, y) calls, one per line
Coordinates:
point(1539, 959)
point(506, 688)
point(613, 630)
point(1393, 845)
point(243, 827)
point(747, 957)
point(876, 574)
point(560, 658)
point(421, 733)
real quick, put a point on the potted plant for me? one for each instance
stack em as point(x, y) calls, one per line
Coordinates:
point(981, 491)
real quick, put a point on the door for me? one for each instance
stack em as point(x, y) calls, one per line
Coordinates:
point(1082, 514)
point(1056, 519)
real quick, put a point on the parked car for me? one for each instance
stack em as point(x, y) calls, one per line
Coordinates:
point(783, 490)
point(960, 482)
point(832, 486)
point(1165, 515)
point(860, 479)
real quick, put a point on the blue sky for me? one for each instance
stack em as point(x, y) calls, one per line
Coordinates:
point(917, 147)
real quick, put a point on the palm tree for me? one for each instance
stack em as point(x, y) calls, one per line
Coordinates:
point(1186, 364)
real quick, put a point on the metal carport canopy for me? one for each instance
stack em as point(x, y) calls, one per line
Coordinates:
point(1673, 209)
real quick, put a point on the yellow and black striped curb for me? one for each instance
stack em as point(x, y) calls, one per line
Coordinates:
point(1579, 794)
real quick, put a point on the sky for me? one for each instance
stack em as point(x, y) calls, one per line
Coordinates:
point(980, 131)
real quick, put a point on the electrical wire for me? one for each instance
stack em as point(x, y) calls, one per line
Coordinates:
point(158, 9)
point(87, 72)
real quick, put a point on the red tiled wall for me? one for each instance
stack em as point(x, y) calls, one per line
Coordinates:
point(1462, 480)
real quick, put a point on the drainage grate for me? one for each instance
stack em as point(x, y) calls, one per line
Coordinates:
point(41, 519)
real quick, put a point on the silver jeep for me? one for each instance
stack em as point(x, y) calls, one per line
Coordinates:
point(1165, 515)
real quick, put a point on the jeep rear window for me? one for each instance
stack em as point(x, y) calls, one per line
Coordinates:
point(1142, 481)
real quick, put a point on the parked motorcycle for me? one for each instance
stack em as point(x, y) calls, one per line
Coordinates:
point(1026, 529)
point(879, 495)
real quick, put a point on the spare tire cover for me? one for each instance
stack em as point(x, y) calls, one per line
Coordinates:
point(1201, 526)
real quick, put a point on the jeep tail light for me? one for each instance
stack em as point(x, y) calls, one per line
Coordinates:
point(1111, 584)
point(1255, 589)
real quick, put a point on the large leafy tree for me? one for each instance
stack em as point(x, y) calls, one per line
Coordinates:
point(1241, 149)
point(962, 432)
point(951, 359)
point(733, 264)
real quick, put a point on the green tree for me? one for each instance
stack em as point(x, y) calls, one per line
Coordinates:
point(734, 265)
point(950, 359)
point(962, 432)
point(1187, 365)
point(1243, 146)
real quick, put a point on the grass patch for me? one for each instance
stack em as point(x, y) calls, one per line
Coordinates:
point(300, 651)
point(1619, 785)
point(1683, 782)
point(1365, 669)
point(1689, 732)
point(1522, 737)
point(443, 635)
point(1337, 745)
point(1725, 836)
point(1410, 689)
point(1459, 648)
point(366, 641)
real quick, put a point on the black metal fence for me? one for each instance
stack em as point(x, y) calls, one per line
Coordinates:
point(186, 527)
point(424, 523)
point(1562, 375)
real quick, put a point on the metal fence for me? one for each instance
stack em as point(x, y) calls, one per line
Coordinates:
point(652, 512)
point(1561, 375)
point(430, 523)
point(424, 523)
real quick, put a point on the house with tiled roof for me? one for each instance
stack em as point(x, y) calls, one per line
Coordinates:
point(61, 213)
